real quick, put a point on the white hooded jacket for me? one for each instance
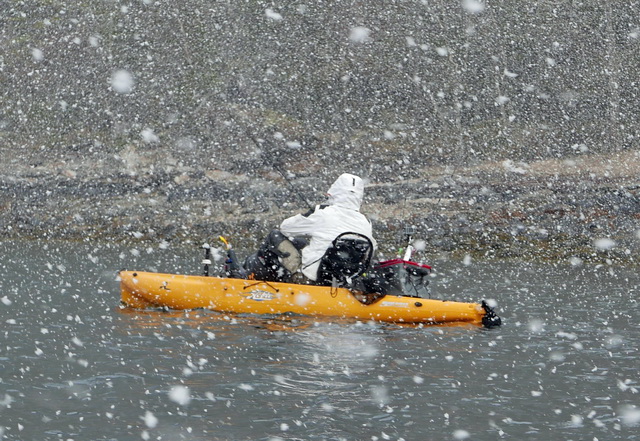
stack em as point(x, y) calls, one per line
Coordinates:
point(327, 222)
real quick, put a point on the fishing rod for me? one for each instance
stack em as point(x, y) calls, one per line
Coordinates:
point(277, 167)
point(258, 142)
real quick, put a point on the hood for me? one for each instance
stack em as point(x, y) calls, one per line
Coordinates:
point(347, 192)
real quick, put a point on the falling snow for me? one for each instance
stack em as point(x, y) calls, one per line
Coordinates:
point(360, 34)
point(180, 395)
point(273, 15)
point(473, 6)
point(122, 81)
point(505, 134)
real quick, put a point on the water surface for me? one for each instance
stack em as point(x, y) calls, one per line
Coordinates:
point(74, 365)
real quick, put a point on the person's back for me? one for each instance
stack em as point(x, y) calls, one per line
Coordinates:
point(326, 222)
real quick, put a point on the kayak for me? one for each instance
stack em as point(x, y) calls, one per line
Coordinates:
point(243, 296)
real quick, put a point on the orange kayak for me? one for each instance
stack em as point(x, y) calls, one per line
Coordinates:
point(241, 296)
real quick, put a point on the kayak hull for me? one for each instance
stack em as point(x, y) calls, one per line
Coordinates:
point(152, 290)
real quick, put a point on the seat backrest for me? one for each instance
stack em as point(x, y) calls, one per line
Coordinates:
point(348, 257)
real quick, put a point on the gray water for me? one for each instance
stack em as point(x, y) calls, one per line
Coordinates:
point(75, 366)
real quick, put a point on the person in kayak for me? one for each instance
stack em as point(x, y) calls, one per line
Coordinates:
point(314, 233)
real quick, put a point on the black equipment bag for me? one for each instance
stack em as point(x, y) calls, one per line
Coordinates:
point(347, 259)
point(400, 278)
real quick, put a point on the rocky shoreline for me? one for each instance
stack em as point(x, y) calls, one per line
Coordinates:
point(586, 209)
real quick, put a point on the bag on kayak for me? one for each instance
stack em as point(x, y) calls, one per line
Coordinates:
point(348, 257)
point(399, 277)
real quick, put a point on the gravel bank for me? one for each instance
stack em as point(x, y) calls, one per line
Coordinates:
point(586, 209)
